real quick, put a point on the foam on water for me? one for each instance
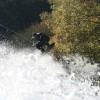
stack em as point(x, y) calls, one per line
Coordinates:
point(30, 75)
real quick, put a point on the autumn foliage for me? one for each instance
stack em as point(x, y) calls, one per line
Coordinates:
point(76, 27)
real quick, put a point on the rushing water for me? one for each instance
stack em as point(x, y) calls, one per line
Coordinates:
point(29, 75)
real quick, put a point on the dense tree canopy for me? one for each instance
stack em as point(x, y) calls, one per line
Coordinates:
point(76, 25)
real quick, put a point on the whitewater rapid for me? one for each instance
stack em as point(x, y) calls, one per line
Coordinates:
point(27, 74)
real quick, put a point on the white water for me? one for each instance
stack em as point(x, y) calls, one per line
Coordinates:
point(30, 75)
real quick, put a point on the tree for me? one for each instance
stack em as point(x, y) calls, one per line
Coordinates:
point(76, 24)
